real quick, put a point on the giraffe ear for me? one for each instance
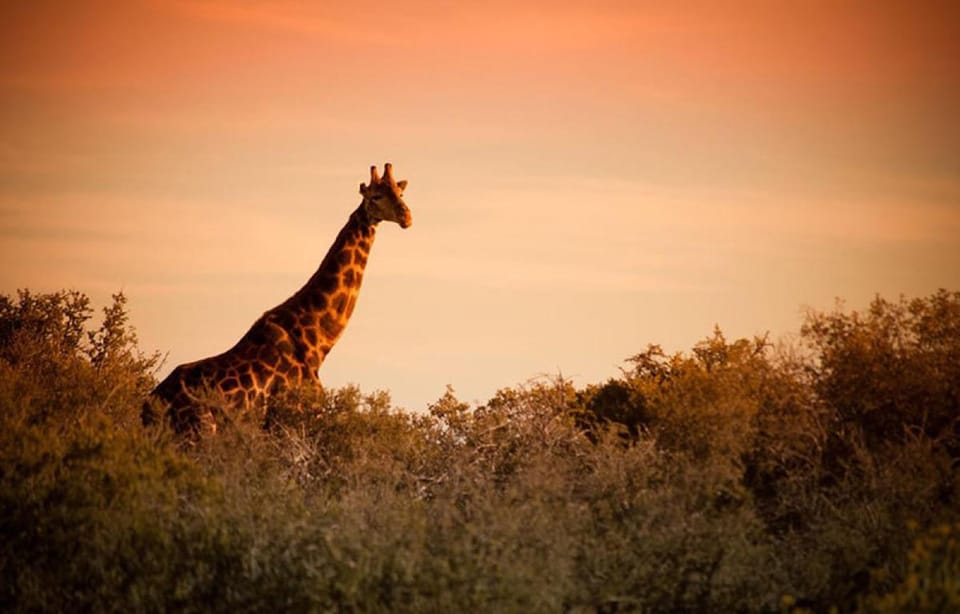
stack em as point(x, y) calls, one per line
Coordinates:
point(402, 184)
point(363, 189)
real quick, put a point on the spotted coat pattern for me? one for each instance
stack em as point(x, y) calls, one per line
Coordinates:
point(286, 345)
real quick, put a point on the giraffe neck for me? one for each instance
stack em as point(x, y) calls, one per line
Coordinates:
point(321, 309)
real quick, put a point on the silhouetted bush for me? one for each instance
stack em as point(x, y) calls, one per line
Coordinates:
point(614, 402)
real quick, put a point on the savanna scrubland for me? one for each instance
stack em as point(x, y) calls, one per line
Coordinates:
point(816, 472)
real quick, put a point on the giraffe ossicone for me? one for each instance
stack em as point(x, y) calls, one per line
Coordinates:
point(285, 346)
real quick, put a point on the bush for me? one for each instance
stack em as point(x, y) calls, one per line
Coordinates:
point(741, 476)
point(894, 371)
point(55, 368)
point(932, 581)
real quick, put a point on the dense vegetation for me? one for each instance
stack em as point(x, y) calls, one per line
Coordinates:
point(743, 475)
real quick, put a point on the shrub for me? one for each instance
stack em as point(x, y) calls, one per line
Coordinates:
point(58, 369)
point(893, 371)
point(932, 580)
point(740, 476)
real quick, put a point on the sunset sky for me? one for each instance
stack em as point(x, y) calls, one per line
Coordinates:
point(585, 177)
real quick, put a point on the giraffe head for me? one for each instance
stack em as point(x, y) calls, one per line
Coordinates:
point(383, 198)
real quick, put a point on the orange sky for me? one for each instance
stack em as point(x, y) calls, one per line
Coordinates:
point(584, 180)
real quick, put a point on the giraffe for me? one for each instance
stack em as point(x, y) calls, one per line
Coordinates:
point(286, 345)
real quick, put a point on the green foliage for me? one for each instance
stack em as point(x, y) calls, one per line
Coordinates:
point(741, 476)
point(932, 581)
